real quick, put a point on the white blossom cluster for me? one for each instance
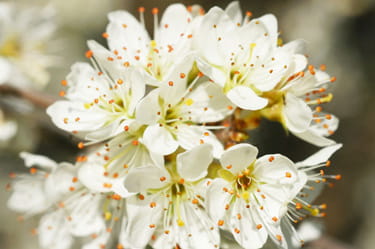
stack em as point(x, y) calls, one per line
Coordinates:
point(169, 115)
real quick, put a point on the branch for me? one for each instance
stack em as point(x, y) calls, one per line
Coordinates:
point(38, 99)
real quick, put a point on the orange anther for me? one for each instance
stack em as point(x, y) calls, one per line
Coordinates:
point(182, 75)
point(170, 83)
point(259, 226)
point(141, 197)
point(126, 128)
point(236, 230)
point(81, 145)
point(64, 83)
point(33, 171)
point(126, 64)
point(135, 142)
point(288, 174)
point(152, 225)
point(62, 93)
point(72, 188)
point(105, 35)
point(181, 181)
point(323, 67)
point(298, 205)
point(338, 177)
point(249, 13)
point(120, 81)
point(107, 185)
point(200, 74)
point(275, 219)
point(229, 107)
point(89, 54)
point(333, 79)
point(271, 158)
point(152, 204)
point(155, 11)
point(220, 223)
point(229, 166)
point(328, 163)
point(163, 178)
point(116, 197)
point(279, 237)
point(141, 9)
point(195, 201)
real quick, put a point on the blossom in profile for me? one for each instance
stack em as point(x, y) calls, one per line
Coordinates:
point(24, 45)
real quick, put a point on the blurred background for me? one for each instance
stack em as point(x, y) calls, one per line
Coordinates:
point(340, 34)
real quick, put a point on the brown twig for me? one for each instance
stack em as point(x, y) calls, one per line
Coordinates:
point(38, 99)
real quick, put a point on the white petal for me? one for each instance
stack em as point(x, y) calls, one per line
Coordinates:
point(276, 169)
point(38, 160)
point(96, 243)
point(147, 177)
point(174, 87)
point(209, 104)
point(217, 75)
point(313, 137)
point(206, 39)
point(28, 196)
point(148, 109)
point(197, 231)
point(86, 215)
point(192, 165)
point(54, 231)
point(249, 236)
point(217, 199)
point(175, 21)
point(159, 140)
point(125, 30)
point(270, 22)
point(83, 82)
point(137, 89)
point(321, 156)
point(233, 10)
point(64, 115)
point(92, 176)
point(295, 47)
point(59, 181)
point(246, 98)
point(297, 114)
point(136, 232)
point(238, 157)
point(8, 129)
point(189, 136)
point(6, 70)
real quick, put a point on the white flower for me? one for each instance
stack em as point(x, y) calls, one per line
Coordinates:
point(8, 128)
point(100, 102)
point(25, 35)
point(242, 57)
point(176, 113)
point(291, 104)
point(69, 210)
point(47, 182)
point(300, 207)
point(169, 211)
point(130, 44)
point(251, 196)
